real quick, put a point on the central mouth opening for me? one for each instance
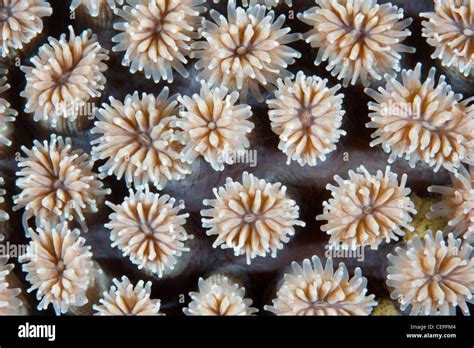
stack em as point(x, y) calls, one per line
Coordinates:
point(362, 33)
point(306, 117)
point(64, 78)
point(212, 125)
point(60, 266)
point(58, 184)
point(242, 50)
point(367, 209)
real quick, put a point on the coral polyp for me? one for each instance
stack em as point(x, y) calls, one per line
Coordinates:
point(307, 116)
point(20, 22)
point(422, 121)
point(314, 289)
point(66, 75)
point(219, 296)
point(7, 114)
point(157, 36)
point(246, 50)
point(360, 39)
point(10, 304)
point(367, 209)
point(450, 30)
point(457, 203)
point(213, 125)
point(433, 276)
point(137, 139)
point(148, 228)
point(253, 217)
point(125, 298)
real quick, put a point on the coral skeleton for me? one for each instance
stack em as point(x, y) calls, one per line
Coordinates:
point(268, 3)
point(94, 7)
point(450, 30)
point(423, 220)
point(59, 267)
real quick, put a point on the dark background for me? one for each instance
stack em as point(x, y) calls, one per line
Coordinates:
point(306, 184)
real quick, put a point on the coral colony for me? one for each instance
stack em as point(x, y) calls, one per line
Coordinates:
point(129, 138)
